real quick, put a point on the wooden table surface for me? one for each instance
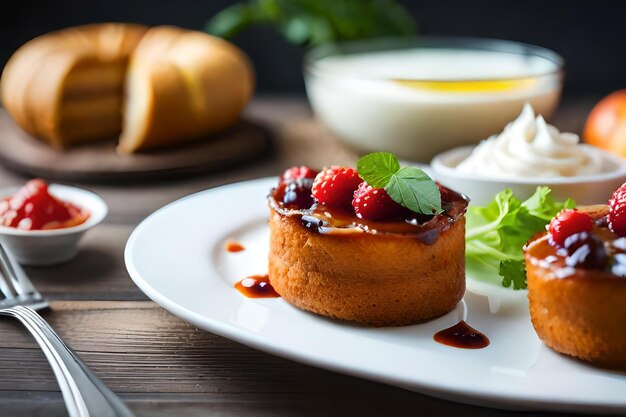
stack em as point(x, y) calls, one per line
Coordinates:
point(163, 366)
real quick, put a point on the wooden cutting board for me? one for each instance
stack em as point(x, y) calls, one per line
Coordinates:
point(26, 154)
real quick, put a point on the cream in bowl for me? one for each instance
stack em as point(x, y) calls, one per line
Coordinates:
point(417, 98)
point(528, 153)
point(529, 147)
point(42, 225)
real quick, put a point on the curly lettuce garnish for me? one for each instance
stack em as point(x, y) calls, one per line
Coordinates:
point(497, 232)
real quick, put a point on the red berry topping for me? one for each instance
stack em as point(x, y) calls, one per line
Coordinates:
point(335, 186)
point(296, 173)
point(568, 223)
point(617, 211)
point(374, 203)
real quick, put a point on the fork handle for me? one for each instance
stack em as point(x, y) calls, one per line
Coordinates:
point(84, 393)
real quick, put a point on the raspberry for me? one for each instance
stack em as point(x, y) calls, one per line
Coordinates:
point(374, 203)
point(617, 211)
point(568, 223)
point(295, 173)
point(335, 186)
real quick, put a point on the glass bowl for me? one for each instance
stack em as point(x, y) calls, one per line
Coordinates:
point(417, 97)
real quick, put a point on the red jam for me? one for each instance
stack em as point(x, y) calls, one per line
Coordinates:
point(257, 286)
point(335, 221)
point(369, 211)
point(594, 254)
point(32, 207)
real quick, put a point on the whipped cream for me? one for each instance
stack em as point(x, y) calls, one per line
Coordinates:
point(529, 147)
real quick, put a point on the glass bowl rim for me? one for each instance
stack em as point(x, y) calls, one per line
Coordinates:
point(314, 55)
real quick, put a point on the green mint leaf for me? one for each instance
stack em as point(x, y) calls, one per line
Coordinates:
point(409, 186)
point(377, 168)
point(414, 189)
point(513, 272)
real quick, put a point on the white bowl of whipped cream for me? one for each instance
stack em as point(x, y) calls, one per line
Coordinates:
point(529, 153)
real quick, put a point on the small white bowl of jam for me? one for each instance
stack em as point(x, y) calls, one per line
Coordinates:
point(42, 225)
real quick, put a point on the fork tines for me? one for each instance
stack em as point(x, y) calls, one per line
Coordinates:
point(15, 287)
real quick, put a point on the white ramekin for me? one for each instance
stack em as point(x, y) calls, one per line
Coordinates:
point(481, 189)
point(50, 247)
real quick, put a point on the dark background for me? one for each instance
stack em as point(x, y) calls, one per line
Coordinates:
point(591, 35)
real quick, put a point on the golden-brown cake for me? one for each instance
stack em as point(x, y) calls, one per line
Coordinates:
point(576, 292)
point(76, 85)
point(377, 272)
point(374, 279)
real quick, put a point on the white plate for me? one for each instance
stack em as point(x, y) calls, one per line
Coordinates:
point(177, 257)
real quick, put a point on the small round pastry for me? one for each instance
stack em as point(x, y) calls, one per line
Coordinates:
point(576, 276)
point(383, 272)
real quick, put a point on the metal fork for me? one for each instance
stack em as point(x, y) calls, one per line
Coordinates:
point(84, 393)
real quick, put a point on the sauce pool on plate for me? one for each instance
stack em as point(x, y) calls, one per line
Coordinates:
point(234, 247)
point(257, 286)
point(463, 336)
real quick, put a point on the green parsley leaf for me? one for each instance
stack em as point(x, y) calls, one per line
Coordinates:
point(414, 189)
point(513, 272)
point(496, 233)
point(377, 168)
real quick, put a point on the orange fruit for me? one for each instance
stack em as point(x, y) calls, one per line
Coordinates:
point(606, 124)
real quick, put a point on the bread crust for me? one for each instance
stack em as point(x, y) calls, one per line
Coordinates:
point(379, 280)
